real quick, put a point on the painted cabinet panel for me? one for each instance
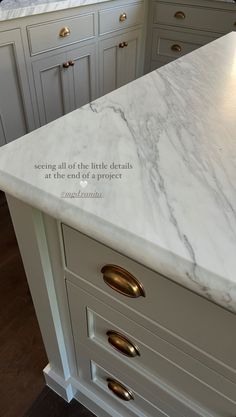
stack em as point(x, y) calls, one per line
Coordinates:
point(52, 87)
point(64, 82)
point(15, 115)
point(119, 60)
point(83, 85)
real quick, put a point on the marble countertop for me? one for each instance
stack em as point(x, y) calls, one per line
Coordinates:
point(168, 142)
point(11, 9)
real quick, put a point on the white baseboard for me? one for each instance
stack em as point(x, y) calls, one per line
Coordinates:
point(62, 387)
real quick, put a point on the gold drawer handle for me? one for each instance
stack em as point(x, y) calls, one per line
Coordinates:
point(119, 390)
point(123, 17)
point(71, 63)
point(122, 344)
point(64, 32)
point(123, 44)
point(66, 65)
point(176, 48)
point(180, 15)
point(122, 281)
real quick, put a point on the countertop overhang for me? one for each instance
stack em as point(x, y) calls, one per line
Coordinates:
point(12, 9)
point(174, 207)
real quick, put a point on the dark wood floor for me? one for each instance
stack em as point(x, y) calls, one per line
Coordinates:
point(22, 356)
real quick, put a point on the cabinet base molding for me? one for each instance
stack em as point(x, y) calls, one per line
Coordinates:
point(64, 388)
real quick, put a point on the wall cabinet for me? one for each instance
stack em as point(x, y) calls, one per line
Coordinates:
point(119, 60)
point(65, 81)
point(15, 104)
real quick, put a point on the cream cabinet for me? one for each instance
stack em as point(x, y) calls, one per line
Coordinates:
point(122, 339)
point(65, 81)
point(55, 63)
point(16, 117)
point(176, 28)
point(119, 60)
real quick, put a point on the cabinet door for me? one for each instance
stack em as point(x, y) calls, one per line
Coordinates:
point(119, 58)
point(16, 116)
point(52, 87)
point(82, 74)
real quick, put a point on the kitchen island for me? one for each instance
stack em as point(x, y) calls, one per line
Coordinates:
point(125, 214)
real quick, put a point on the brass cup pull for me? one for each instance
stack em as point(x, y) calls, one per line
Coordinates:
point(123, 17)
point(122, 281)
point(66, 65)
point(119, 390)
point(122, 344)
point(64, 32)
point(180, 15)
point(176, 48)
point(71, 63)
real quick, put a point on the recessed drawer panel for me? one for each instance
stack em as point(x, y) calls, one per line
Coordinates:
point(148, 399)
point(203, 18)
point(60, 33)
point(174, 44)
point(109, 332)
point(121, 17)
point(205, 326)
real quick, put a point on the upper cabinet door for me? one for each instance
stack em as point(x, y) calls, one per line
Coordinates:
point(52, 87)
point(16, 117)
point(83, 75)
point(119, 59)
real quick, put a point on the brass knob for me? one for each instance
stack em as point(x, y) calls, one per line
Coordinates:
point(66, 65)
point(122, 344)
point(122, 281)
point(180, 15)
point(123, 17)
point(119, 390)
point(123, 44)
point(71, 63)
point(176, 48)
point(64, 32)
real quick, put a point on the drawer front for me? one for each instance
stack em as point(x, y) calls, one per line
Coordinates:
point(203, 325)
point(121, 17)
point(60, 33)
point(203, 18)
point(149, 399)
point(173, 44)
point(141, 350)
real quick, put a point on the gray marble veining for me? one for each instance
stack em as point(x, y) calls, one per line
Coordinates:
point(11, 9)
point(175, 209)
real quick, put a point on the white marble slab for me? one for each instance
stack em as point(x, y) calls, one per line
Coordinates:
point(175, 210)
point(11, 9)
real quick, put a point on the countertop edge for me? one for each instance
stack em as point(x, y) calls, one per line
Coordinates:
point(155, 258)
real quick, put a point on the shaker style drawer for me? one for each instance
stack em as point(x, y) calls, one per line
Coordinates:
point(135, 394)
point(109, 332)
point(174, 44)
point(52, 35)
point(203, 18)
point(202, 326)
point(120, 17)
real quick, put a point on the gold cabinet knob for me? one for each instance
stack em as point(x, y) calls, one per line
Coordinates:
point(122, 344)
point(71, 63)
point(123, 17)
point(119, 390)
point(122, 281)
point(180, 15)
point(176, 48)
point(64, 32)
point(66, 64)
